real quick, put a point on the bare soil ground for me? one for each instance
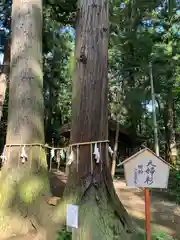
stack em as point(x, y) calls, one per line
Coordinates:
point(165, 213)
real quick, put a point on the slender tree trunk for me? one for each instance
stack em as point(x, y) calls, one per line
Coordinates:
point(25, 187)
point(170, 137)
point(166, 132)
point(101, 215)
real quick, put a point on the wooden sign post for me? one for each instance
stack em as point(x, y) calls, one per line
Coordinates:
point(146, 170)
point(147, 213)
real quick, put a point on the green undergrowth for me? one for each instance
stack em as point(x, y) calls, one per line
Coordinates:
point(174, 185)
point(141, 235)
point(64, 235)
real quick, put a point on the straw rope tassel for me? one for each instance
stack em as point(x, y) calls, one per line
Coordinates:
point(58, 159)
point(69, 150)
point(67, 159)
point(107, 154)
point(100, 158)
point(88, 143)
point(91, 153)
point(50, 163)
point(3, 155)
point(77, 158)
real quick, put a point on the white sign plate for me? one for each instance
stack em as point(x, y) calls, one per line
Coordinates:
point(72, 216)
point(145, 169)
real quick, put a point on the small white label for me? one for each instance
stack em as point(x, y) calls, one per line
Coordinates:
point(72, 216)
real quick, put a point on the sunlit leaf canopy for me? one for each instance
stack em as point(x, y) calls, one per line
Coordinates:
point(140, 32)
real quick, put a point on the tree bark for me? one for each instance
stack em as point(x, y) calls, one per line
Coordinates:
point(170, 136)
point(4, 73)
point(25, 187)
point(101, 215)
point(167, 145)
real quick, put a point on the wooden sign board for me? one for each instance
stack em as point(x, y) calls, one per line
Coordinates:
point(145, 169)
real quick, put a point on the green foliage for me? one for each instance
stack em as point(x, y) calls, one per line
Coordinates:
point(64, 235)
point(141, 32)
point(62, 11)
point(57, 48)
point(174, 185)
point(136, 37)
point(141, 235)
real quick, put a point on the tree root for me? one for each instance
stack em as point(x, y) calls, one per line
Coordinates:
point(100, 222)
point(119, 209)
point(24, 211)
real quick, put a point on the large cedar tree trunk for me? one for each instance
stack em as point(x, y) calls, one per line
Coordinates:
point(101, 215)
point(4, 73)
point(25, 187)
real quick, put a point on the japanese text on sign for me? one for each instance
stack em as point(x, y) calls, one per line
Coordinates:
point(146, 171)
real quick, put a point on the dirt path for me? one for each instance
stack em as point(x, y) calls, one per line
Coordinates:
point(165, 213)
